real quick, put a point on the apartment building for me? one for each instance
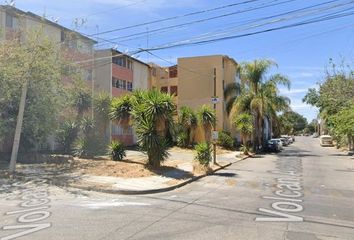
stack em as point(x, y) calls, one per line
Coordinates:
point(119, 74)
point(15, 24)
point(192, 82)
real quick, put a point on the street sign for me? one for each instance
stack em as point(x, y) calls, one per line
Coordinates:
point(215, 135)
point(214, 100)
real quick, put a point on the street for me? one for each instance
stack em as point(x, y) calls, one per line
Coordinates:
point(306, 192)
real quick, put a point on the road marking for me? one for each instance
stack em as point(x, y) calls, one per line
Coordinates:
point(35, 206)
point(289, 187)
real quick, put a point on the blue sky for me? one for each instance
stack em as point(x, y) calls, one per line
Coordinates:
point(302, 53)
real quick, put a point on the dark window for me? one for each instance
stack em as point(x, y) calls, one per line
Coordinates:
point(173, 72)
point(174, 90)
point(130, 86)
point(164, 89)
point(62, 36)
point(154, 72)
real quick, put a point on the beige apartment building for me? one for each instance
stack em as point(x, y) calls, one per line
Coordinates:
point(192, 82)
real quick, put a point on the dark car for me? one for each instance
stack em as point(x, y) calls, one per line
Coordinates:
point(273, 146)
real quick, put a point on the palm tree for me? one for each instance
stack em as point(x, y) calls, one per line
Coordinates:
point(153, 119)
point(206, 118)
point(120, 110)
point(151, 113)
point(257, 95)
point(80, 98)
point(188, 122)
point(102, 105)
point(243, 123)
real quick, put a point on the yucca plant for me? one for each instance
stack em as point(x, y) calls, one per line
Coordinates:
point(121, 110)
point(203, 154)
point(182, 139)
point(207, 118)
point(188, 121)
point(66, 135)
point(116, 151)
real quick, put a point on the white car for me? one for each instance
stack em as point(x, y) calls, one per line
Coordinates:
point(279, 142)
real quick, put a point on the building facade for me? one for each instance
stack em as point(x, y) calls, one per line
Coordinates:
point(119, 74)
point(15, 25)
point(191, 81)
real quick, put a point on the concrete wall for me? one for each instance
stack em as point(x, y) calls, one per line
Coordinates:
point(140, 75)
point(103, 71)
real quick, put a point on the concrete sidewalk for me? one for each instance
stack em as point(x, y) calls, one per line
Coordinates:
point(177, 177)
point(170, 180)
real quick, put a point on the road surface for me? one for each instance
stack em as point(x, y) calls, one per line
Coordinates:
point(304, 193)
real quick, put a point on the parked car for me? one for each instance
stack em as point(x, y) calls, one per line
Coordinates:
point(284, 141)
point(315, 135)
point(273, 146)
point(279, 142)
point(326, 141)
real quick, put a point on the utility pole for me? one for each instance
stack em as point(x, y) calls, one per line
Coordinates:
point(214, 125)
point(16, 144)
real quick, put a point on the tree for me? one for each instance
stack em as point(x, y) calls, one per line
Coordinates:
point(292, 122)
point(258, 95)
point(188, 122)
point(80, 98)
point(243, 123)
point(206, 118)
point(102, 104)
point(38, 62)
point(151, 113)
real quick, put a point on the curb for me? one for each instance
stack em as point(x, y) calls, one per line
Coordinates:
point(151, 191)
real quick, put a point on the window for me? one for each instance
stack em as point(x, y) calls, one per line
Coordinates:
point(154, 72)
point(119, 83)
point(173, 72)
point(164, 89)
point(174, 90)
point(130, 86)
point(120, 131)
point(123, 62)
point(10, 21)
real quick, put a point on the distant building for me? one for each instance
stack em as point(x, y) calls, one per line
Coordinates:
point(191, 81)
point(119, 74)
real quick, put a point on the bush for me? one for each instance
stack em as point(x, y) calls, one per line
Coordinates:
point(225, 140)
point(116, 151)
point(66, 135)
point(87, 147)
point(203, 155)
point(182, 140)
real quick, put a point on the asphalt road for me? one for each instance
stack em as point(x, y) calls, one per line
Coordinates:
point(304, 193)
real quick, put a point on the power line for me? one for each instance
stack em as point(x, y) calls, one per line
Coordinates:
point(249, 21)
point(173, 18)
point(249, 34)
point(205, 19)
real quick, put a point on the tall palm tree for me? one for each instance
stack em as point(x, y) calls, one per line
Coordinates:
point(206, 118)
point(257, 95)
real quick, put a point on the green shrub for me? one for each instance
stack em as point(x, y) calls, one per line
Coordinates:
point(225, 140)
point(88, 147)
point(66, 135)
point(203, 155)
point(182, 140)
point(116, 151)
